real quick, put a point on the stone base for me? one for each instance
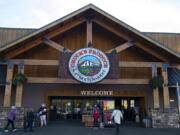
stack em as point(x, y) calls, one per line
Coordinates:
point(165, 118)
point(19, 121)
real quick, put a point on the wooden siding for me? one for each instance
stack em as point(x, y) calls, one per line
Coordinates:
point(136, 54)
point(138, 73)
point(41, 52)
point(41, 71)
point(104, 39)
point(75, 39)
point(9, 34)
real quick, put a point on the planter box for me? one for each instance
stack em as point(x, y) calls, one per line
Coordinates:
point(89, 123)
point(89, 118)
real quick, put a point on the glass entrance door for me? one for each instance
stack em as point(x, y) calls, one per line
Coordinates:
point(73, 108)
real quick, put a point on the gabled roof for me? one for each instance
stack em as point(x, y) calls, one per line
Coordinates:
point(9, 35)
point(96, 9)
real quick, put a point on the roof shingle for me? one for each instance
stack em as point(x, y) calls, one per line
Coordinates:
point(10, 34)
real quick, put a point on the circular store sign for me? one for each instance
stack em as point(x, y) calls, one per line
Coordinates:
point(89, 65)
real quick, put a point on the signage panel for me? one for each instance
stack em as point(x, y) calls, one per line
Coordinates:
point(89, 65)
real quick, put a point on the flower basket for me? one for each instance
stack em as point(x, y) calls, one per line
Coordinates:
point(19, 79)
point(157, 82)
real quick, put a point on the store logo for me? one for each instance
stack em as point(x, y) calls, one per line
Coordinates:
point(89, 65)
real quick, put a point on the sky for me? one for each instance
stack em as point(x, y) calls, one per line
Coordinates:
point(143, 15)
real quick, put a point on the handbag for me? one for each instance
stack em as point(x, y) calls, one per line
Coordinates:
point(6, 118)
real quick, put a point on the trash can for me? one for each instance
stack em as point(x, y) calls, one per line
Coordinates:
point(101, 125)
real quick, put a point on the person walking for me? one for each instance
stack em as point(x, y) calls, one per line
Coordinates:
point(43, 114)
point(29, 120)
point(117, 116)
point(11, 118)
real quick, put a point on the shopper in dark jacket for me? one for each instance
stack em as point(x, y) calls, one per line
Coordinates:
point(43, 114)
point(29, 120)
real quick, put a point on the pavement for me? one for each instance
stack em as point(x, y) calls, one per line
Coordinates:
point(75, 127)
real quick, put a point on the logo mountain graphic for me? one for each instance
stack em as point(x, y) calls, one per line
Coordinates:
point(89, 68)
point(88, 63)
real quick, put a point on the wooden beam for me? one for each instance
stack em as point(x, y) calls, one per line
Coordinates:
point(112, 29)
point(122, 47)
point(66, 27)
point(166, 97)
point(56, 63)
point(73, 81)
point(124, 81)
point(152, 52)
point(19, 88)
point(128, 38)
point(55, 45)
point(8, 88)
point(138, 64)
point(37, 62)
point(155, 91)
point(22, 49)
point(51, 80)
point(89, 32)
point(32, 44)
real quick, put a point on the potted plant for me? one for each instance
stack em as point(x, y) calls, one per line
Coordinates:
point(156, 82)
point(19, 79)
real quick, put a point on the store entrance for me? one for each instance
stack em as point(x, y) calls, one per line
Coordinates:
point(62, 108)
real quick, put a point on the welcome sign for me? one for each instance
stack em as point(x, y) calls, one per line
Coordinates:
point(96, 93)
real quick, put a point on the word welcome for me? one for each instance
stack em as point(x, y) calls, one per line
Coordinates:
point(97, 93)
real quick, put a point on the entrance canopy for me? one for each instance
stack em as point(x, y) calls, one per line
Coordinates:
point(173, 76)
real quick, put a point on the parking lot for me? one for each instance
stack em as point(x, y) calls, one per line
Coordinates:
point(74, 127)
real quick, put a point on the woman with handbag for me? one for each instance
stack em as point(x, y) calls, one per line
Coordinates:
point(11, 118)
point(116, 117)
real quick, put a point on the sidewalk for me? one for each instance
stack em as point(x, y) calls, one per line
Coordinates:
point(77, 128)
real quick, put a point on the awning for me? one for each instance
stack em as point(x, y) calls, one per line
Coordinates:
point(173, 76)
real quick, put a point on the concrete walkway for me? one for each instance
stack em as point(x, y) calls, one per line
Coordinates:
point(77, 128)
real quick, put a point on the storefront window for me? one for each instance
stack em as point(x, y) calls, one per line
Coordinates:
point(125, 104)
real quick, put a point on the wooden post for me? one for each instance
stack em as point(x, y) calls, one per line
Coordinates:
point(89, 32)
point(19, 88)
point(155, 91)
point(8, 88)
point(165, 87)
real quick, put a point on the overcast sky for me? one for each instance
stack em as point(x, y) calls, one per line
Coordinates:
point(144, 15)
